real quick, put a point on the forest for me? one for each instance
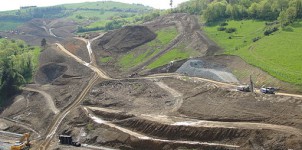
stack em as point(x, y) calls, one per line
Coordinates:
point(285, 11)
point(18, 61)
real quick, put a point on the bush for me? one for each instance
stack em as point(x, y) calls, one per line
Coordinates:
point(270, 31)
point(221, 28)
point(224, 24)
point(256, 39)
point(230, 30)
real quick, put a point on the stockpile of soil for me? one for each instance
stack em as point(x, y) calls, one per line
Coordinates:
point(200, 68)
point(124, 39)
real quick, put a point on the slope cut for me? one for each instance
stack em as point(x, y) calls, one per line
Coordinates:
point(125, 39)
point(50, 72)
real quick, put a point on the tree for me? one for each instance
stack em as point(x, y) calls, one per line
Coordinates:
point(171, 3)
point(43, 43)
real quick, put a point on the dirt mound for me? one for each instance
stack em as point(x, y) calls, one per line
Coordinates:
point(50, 72)
point(124, 39)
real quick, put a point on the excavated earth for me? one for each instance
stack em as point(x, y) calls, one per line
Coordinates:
point(152, 112)
point(115, 44)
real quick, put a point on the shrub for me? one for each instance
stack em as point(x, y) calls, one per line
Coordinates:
point(256, 39)
point(269, 31)
point(224, 24)
point(221, 28)
point(230, 30)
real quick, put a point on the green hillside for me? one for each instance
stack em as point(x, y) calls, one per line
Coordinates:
point(265, 33)
point(279, 54)
point(83, 13)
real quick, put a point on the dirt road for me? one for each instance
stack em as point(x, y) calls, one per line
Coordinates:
point(48, 98)
point(93, 68)
point(147, 138)
point(58, 119)
point(174, 93)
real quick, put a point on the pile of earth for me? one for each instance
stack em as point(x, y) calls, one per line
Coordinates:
point(124, 39)
point(200, 68)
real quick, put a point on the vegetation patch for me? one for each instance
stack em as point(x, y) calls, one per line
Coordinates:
point(9, 25)
point(175, 54)
point(146, 51)
point(18, 62)
point(105, 59)
point(280, 58)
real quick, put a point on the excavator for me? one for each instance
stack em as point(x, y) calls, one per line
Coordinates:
point(23, 143)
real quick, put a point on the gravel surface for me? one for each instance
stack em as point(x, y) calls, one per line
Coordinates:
point(200, 68)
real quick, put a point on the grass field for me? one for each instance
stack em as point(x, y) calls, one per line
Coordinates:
point(278, 54)
point(175, 54)
point(9, 25)
point(144, 52)
point(105, 59)
point(106, 5)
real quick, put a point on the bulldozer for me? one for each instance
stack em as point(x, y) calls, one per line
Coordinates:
point(23, 143)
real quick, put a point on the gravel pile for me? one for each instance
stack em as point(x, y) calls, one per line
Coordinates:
point(200, 68)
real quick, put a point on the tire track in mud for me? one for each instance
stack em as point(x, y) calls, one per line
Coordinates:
point(48, 99)
point(177, 96)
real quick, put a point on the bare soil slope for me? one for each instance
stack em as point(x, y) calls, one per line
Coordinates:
point(125, 39)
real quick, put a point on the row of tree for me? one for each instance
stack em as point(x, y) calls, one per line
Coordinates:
point(16, 66)
point(214, 10)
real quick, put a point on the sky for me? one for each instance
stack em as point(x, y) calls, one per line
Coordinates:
point(15, 4)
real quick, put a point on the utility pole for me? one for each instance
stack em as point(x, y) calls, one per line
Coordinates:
point(251, 84)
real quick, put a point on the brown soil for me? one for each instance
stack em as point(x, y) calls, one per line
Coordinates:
point(78, 48)
point(125, 39)
point(131, 96)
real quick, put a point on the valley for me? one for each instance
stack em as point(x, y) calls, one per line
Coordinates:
point(163, 84)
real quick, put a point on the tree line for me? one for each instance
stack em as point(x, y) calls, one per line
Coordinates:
point(18, 62)
point(286, 11)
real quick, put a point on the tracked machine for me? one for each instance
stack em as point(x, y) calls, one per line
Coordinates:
point(23, 143)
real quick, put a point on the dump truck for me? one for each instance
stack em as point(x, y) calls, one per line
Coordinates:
point(23, 143)
point(67, 140)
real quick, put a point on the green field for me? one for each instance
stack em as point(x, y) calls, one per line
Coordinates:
point(175, 54)
point(278, 54)
point(9, 25)
point(108, 5)
point(144, 52)
point(105, 59)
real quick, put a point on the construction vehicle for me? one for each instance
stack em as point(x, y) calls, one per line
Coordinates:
point(67, 140)
point(247, 88)
point(244, 88)
point(23, 143)
point(268, 90)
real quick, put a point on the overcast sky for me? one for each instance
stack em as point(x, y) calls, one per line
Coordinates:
point(15, 4)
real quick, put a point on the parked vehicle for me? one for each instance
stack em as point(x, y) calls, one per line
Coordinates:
point(268, 90)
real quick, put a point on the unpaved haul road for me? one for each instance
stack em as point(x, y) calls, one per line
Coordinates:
point(48, 99)
point(178, 96)
point(168, 120)
point(147, 138)
point(93, 68)
point(59, 118)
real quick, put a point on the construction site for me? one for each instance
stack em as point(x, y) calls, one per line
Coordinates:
point(78, 102)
